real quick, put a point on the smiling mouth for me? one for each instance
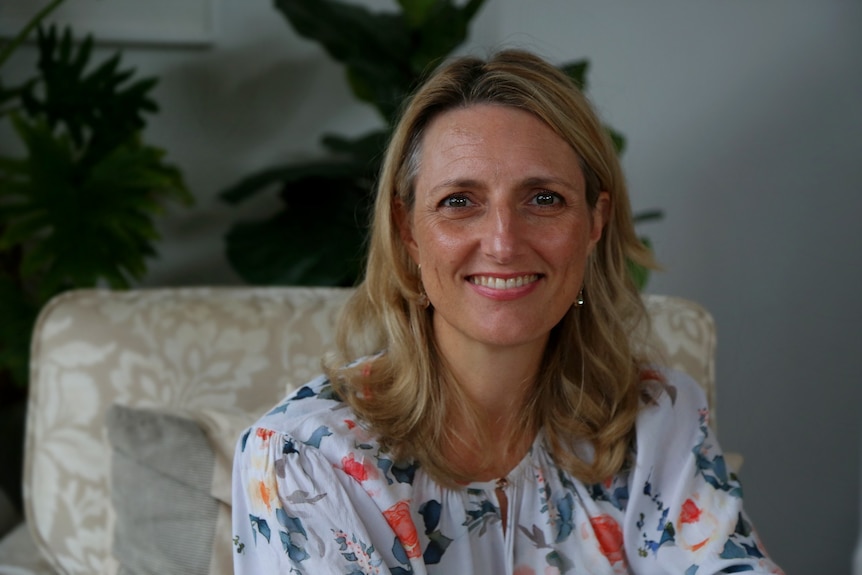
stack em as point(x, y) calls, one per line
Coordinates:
point(501, 284)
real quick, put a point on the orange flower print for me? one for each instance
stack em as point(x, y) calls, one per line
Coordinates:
point(610, 537)
point(398, 517)
point(264, 434)
point(690, 512)
point(265, 494)
point(353, 468)
point(696, 526)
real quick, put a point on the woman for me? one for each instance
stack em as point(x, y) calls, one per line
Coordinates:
point(498, 419)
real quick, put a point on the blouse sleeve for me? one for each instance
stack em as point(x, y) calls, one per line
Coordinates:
point(685, 510)
point(294, 513)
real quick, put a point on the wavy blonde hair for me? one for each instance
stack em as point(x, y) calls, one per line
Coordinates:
point(587, 391)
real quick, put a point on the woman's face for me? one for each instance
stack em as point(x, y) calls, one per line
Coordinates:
point(500, 226)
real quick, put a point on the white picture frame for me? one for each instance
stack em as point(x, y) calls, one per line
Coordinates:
point(180, 22)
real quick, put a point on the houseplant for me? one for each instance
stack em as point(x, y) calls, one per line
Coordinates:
point(77, 208)
point(326, 202)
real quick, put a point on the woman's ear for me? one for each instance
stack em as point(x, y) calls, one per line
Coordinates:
point(600, 215)
point(405, 229)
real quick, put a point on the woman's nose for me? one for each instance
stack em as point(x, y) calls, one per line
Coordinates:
point(502, 233)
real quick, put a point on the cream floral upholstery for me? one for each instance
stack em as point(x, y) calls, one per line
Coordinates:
point(204, 350)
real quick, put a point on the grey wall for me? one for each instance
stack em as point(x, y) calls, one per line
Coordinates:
point(744, 123)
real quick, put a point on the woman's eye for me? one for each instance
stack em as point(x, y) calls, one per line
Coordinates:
point(455, 202)
point(546, 199)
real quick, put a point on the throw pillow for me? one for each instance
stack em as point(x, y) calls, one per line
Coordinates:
point(170, 489)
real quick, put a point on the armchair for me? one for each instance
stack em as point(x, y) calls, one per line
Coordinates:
point(136, 401)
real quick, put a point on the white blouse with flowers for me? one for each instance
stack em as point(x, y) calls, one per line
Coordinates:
point(314, 494)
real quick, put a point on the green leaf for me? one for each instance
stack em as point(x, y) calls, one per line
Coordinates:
point(319, 213)
point(577, 71)
point(416, 11)
point(618, 139)
point(367, 149)
point(100, 109)
point(445, 28)
point(262, 180)
point(371, 45)
point(76, 225)
point(640, 275)
point(22, 34)
point(647, 216)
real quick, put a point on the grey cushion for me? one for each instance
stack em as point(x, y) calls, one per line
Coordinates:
point(162, 468)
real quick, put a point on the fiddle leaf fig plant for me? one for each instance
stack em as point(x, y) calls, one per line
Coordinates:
point(318, 235)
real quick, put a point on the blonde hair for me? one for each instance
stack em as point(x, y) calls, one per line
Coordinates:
point(587, 389)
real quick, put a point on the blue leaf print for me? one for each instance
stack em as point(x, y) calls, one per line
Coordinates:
point(295, 552)
point(245, 438)
point(385, 465)
point(691, 570)
point(559, 560)
point(433, 553)
point(404, 474)
point(616, 496)
point(737, 569)
point(398, 552)
point(743, 527)
point(288, 447)
point(304, 393)
point(483, 511)
point(668, 534)
point(752, 551)
point(430, 512)
point(292, 524)
point(565, 513)
point(399, 571)
point(279, 408)
point(328, 392)
point(317, 435)
point(720, 468)
point(662, 520)
point(733, 551)
point(436, 547)
point(259, 525)
point(401, 474)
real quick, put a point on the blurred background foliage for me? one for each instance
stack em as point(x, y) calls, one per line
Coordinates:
point(78, 204)
point(318, 235)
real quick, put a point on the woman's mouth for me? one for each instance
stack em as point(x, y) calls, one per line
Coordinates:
point(499, 283)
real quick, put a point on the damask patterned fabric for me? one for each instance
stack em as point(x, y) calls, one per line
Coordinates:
point(315, 494)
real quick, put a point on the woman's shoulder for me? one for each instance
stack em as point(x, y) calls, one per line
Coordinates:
point(674, 416)
point(666, 390)
point(314, 417)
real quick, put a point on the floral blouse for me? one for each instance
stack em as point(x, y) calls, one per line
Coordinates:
point(314, 494)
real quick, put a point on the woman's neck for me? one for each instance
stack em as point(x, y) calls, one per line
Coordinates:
point(498, 381)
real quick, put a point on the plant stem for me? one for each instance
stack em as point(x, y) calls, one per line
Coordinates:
point(22, 35)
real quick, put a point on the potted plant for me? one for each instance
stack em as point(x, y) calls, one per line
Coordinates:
point(77, 208)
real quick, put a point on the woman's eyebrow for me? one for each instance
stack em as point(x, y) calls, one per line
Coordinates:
point(530, 182)
point(456, 183)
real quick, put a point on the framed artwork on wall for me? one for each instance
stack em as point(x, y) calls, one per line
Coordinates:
point(190, 22)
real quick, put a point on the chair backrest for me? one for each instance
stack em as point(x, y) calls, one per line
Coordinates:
point(235, 349)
